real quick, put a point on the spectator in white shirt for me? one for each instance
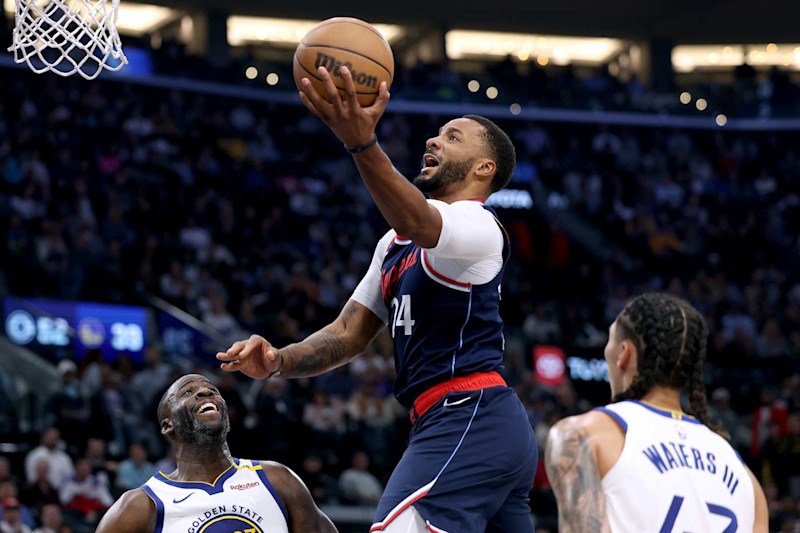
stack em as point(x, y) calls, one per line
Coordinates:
point(61, 468)
point(86, 492)
point(358, 485)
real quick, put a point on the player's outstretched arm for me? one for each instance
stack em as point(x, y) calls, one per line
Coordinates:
point(134, 512)
point(334, 345)
point(304, 515)
point(401, 204)
point(572, 471)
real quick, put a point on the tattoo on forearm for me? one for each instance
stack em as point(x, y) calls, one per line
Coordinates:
point(572, 472)
point(318, 353)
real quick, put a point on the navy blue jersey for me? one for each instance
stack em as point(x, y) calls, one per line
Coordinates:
point(441, 328)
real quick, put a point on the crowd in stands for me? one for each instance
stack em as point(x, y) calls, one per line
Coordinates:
point(252, 218)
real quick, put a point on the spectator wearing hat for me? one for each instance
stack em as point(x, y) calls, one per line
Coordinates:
point(61, 468)
point(69, 407)
point(9, 490)
point(12, 518)
point(51, 519)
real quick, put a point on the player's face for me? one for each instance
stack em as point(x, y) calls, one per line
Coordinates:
point(612, 353)
point(199, 414)
point(450, 156)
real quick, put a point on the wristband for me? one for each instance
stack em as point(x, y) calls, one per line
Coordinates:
point(359, 149)
point(277, 372)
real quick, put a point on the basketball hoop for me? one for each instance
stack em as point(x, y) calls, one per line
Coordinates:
point(68, 36)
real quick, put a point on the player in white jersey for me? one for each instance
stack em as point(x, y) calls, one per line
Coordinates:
point(641, 464)
point(210, 491)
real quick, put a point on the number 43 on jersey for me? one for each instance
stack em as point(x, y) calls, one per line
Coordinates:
point(402, 315)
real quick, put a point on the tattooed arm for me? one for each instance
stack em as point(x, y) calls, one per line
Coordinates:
point(572, 470)
point(334, 345)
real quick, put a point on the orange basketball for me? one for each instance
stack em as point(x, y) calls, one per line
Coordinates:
point(350, 42)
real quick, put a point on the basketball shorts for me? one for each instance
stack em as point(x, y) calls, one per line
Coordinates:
point(469, 466)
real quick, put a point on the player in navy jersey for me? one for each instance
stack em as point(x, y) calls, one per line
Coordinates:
point(435, 281)
point(211, 492)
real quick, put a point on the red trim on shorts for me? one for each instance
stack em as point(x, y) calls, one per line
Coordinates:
point(396, 514)
point(477, 381)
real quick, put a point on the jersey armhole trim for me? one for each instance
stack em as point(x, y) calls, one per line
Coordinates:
point(442, 279)
point(271, 489)
point(159, 508)
point(615, 416)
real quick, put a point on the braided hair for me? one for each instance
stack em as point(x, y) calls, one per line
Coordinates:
point(670, 338)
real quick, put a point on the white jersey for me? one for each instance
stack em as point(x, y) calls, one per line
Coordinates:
point(240, 500)
point(675, 474)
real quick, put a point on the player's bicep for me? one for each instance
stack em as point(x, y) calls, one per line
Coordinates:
point(134, 512)
point(303, 514)
point(573, 474)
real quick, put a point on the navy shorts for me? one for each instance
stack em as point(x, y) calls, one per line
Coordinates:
point(469, 466)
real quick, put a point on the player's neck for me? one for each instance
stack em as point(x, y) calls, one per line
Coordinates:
point(200, 464)
point(458, 196)
point(664, 397)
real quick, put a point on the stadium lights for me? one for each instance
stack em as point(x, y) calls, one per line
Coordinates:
point(132, 19)
point(272, 78)
point(701, 104)
point(686, 97)
point(515, 109)
point(251, 73)
point(686, 58)
point(557, 49)
point(491, 93)
point(721, 120)
point(246, 30)
point(474, 86)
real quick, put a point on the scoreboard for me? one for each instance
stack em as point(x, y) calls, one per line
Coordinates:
point(60, 326)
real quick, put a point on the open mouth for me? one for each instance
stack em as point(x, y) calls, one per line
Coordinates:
point(207, 407)
point(429, 161)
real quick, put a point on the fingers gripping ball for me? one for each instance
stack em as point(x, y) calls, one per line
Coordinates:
point(349, 42)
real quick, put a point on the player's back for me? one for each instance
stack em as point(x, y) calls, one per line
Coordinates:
point(675, 474)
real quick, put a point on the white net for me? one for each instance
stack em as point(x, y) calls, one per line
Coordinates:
point(68, 36)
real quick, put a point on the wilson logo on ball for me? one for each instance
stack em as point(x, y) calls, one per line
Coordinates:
point(334, 65)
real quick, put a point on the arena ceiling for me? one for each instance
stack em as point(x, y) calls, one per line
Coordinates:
point(683, 21)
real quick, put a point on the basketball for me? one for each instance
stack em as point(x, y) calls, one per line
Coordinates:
point(350, 42)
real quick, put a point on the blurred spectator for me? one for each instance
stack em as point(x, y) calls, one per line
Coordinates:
point(69, 406)
point(11, 521)
point(168, 463)
point(51, 519)
point(60, 464)
point(102, 467)
point(322, 486)
point(358, 485)
point(85, 493)
point(134, 471)
point(8, 491)
point(5, 472)
point(40, 491)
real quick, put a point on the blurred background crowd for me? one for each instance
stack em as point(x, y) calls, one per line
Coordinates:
point(251, 217)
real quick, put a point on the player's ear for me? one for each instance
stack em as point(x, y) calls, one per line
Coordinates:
point(166, 427)
point(485, 169)
point(627, 356)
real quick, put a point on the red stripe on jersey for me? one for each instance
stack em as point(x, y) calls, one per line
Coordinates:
point(440, 276)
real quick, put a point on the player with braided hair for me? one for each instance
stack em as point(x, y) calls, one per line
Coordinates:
point(640, 463)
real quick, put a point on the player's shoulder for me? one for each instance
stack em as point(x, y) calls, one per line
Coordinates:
point(133, 512)
point(587, 425)
point(281, 476)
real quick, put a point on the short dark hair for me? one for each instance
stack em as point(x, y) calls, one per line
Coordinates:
point(501, 149)
point(670, 337)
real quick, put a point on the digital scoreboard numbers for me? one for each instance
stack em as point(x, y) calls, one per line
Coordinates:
point(80, 326)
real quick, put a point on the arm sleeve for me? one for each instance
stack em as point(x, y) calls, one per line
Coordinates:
point(368, 292)
point(468, 232)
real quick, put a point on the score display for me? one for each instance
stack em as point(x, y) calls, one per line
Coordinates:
point(83, 326)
